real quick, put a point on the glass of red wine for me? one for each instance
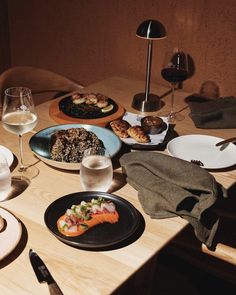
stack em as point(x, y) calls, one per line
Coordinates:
point(175, 70)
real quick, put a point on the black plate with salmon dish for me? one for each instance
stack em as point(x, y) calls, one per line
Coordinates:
point(103, 236)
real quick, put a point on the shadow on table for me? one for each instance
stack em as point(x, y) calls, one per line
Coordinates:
point(19, 183)
point(185, 249)
point(171, 133)
point(220, 261)
point(115, 160)
point(225, 208)
point(18, 250)
point(14, 163)
point(119, 180)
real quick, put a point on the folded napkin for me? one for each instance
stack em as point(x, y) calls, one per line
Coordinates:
point(209, 113)
point(169, 187)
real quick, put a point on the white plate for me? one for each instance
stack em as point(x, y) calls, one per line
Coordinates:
point(11, 235)
point(202, 148)
point(7, 153)
point(135, 119)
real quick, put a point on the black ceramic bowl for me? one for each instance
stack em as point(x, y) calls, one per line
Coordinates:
point(152, 124)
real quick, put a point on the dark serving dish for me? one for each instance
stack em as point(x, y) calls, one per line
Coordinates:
point(102, 235)
point(83, 110)
point(152, 124)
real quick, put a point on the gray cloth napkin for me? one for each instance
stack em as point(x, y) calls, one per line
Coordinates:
point(169, 187)
point(219, 113)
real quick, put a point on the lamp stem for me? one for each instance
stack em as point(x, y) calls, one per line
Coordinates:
point(148, 71)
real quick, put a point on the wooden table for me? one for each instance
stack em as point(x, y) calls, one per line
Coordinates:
point(79, 271)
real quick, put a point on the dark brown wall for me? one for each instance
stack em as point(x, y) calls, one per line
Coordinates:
point(4, 37)
point(88, 40)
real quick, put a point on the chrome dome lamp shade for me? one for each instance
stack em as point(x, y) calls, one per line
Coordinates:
point(150, 30)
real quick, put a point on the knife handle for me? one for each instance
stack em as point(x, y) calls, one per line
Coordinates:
point(232, 139)
point(54, 289)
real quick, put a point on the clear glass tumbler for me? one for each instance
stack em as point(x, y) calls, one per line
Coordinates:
point(96, 170)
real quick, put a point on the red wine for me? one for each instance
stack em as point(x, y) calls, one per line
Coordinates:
point(174, 75)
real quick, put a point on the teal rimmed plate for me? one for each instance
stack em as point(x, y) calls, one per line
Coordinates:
point(40, 143)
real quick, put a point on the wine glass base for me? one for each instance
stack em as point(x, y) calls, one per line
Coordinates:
point(28, 172)
point(19, 182)
point(173, 117)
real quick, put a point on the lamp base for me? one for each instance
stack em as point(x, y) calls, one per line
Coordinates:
point(153, 103)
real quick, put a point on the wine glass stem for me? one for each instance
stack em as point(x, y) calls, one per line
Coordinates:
point(21, 168)
point(172, 98)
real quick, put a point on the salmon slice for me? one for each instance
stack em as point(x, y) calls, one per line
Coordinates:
point(96, 219)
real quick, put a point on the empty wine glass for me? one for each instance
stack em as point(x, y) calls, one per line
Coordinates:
point(96, 170)
point(175, 70)
point(19, 117)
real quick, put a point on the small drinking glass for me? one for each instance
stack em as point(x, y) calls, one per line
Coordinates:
point(5, 178)
point(96, 170)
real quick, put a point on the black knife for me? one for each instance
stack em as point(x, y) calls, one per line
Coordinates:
point(42, 273)
point(232, 139)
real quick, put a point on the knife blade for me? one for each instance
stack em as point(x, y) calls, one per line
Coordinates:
point(42, 273)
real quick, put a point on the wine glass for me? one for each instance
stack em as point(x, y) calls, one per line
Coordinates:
point(175, 70)
point(19, 117)
point(96, 170)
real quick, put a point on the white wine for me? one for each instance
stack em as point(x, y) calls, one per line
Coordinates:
point(19, 117)
point(19, 122)
point(96, 173)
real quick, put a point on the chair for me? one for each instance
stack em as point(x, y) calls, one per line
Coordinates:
point(43, 83)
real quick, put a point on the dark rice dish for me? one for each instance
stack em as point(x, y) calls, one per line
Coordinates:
point(69, 145)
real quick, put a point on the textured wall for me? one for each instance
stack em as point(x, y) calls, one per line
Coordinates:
point(88, 40)
point(4, 37)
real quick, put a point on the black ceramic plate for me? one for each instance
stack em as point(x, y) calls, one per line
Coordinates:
point(85, 111)
point(102, 235)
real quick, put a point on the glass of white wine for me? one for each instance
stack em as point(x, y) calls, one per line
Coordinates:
point(96, 171)
point(19, 117)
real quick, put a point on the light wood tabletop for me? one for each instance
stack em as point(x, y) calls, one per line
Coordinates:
point(75, 270)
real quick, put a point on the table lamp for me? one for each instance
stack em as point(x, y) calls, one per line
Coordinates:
point(150, 30)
